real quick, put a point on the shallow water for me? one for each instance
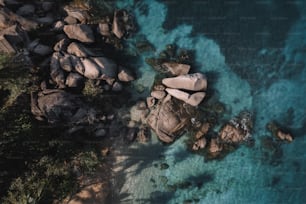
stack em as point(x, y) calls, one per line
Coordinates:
point(254, 57)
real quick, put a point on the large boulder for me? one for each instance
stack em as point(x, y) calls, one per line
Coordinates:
point(176, 69)
point(91, 69)
point(192, 82)
point(192, 99)
point(107, 66)
point(79, 50)
point(58, 106)
point(80, 32)
point(169, 119)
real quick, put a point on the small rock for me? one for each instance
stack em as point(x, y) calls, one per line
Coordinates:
point(131, 134)
point(192, 82)
point(215, 146)
point(199, 144)
point(150, 102)
point(77, 64)
point(75, 80)
point(61, 45)
point(159, 87)
point(65, 62)
point(104, 29)
point(70, 20)
point(158, 94)
point(58, 26)
point(117, 86)
point(284, 136)
point(164, 166)
point(125, 75)
point(100, 133)
point(202, 131)
point(82, 32)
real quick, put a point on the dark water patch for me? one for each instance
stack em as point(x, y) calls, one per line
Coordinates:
point(242, 29)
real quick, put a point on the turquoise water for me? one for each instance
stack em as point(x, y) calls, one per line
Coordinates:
point(256, 55)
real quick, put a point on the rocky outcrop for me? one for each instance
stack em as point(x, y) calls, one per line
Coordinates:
point(80, 32)
point(169, 119)
point(191, 82)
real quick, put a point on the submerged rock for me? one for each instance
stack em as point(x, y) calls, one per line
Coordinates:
point(80, 32)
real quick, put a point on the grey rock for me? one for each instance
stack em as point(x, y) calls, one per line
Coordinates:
point(80, 32)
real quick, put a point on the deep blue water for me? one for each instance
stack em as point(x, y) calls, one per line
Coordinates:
point(254, 55)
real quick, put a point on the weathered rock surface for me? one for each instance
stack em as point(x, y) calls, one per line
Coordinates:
point(192, 82)
point(79, 50)
point(176, 69)
point(91, 69)
point(193, 99)
point(80, 32)
point(168, 120)
point(158, 94)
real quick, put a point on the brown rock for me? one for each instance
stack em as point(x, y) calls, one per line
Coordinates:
point(215, 146)
point(61, 45)
point(104, 29)
point(158, 94)
point(70, 20)
point(79, 50)
point(81, 14)
point(231, 134)
point(107, 66)
point(125, 75)
point(75, 80)
point(199, 144)
point(176, 69)
point(92, 70)
point(150, 102)
point(193, 99)
point(80, 32)
point(284, 136)
point(202, 131)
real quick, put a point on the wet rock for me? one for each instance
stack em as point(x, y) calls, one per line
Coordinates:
point(176, 69)
point(56, 73)
point(284, 136)
point(158, 94)
point(199, 144)
point(104, 29)
point(125, 75)
point(192, 82)
point(79, 50)
point(80, 32)
point(107, 66)
point(91, 69)
point(75, 80)
point(193, 99)
point(61, 45)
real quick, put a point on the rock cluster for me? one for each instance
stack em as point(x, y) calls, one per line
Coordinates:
point(277, 132)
